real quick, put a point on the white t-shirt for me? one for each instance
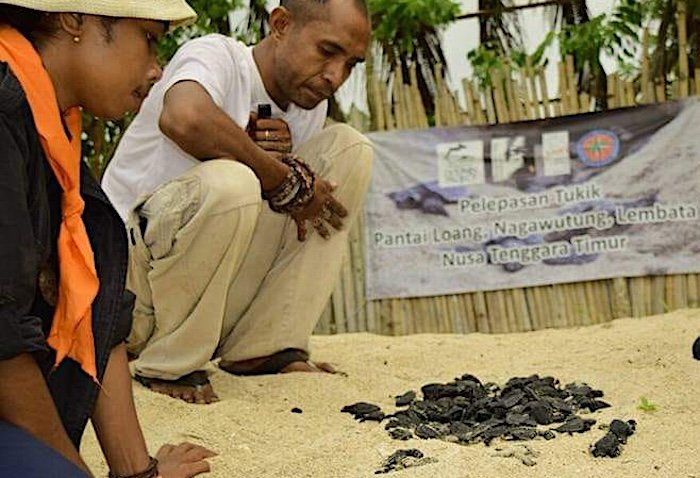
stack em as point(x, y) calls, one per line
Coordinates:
point(224, 67)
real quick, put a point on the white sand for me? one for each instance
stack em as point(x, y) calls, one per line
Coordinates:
point(256, 435)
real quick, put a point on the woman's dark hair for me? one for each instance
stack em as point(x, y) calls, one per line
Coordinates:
point(34, 25)
point(39, 26)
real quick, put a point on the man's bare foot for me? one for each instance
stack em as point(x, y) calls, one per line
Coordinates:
point(308, 366)
point(192, 388)
point(285, 361)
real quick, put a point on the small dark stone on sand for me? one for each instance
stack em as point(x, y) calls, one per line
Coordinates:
point(696, 349)
point(547, 435)
point(405, 399)
point(297, 410)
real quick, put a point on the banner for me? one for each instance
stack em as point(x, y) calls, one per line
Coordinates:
point(577, 198)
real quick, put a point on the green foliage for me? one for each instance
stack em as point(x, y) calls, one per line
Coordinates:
point(400, 23)
point(486, 57)
point(483, 59)
point(407, 33)
point(646, 406)
point(212, 18)
point(616, 34)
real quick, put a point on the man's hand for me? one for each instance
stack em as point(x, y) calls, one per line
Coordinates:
point(183, 461)
point(321, 210)
point(272, 135)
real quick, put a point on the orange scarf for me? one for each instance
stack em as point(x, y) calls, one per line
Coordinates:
point(71, 331)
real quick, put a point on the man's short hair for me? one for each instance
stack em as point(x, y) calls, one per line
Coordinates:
point(312, 9)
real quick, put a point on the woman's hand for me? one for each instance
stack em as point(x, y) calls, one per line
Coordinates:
point(183, 461)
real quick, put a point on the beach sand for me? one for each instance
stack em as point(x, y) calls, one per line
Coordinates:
point(257, 435)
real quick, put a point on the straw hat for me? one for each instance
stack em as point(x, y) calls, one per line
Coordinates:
point(177, 12)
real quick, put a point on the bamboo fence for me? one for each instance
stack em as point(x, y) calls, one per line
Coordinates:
point(514, 96)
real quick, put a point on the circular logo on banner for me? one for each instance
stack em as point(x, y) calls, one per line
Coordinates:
point(598, 148)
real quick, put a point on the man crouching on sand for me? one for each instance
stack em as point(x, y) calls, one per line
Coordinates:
point(223, 261)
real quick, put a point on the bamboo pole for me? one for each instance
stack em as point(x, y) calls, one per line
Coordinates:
point(544, 92)
point(510, 95)
point(490, 106)
point(620, 93)
point(693, 291)
point(563, 90)
point(389, 123)
point(629, 93)
point(467, 303)
point(558, 305)
point(572, 85)
point(621, 300)
point(419, 108)
point(399, 110)
point(531, 80)
point(349, 299)
point(660, 88)
point(612, 92)
point(469, 100)
point(683, 71)
point(503, 115)
point(339, 318)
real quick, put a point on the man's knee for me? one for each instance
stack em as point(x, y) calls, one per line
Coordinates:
point(227, 184)
point(342, 137)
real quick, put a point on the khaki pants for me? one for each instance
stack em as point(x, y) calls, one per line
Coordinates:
point(216, 273)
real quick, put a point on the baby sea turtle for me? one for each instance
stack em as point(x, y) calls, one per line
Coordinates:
point(467, 411)
point(405, 399)
point(611, 443)
point(575, 424)
point(363, 411)
point(401, 459)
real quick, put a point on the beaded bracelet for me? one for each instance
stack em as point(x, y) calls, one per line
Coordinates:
point(150, 472)
point(297, 189)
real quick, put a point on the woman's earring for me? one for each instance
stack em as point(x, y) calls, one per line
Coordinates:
point(76, 39)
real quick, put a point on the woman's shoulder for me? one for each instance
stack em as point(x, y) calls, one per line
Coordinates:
point(12, 97)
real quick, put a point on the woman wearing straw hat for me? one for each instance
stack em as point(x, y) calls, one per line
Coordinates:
point(64, 313)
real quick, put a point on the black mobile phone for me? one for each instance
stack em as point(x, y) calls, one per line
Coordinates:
point(264, 110)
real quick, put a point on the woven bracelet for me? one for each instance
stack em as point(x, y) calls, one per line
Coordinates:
point(297, 189)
